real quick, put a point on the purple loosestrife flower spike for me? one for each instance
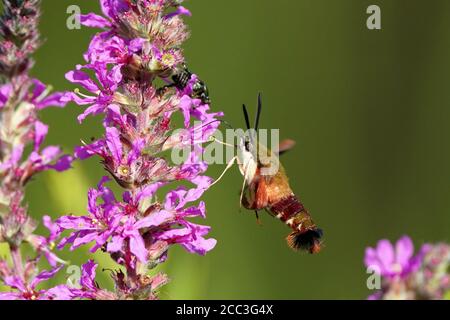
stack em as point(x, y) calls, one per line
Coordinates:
point(22, 151)
point(140, 43)
point(406, 276)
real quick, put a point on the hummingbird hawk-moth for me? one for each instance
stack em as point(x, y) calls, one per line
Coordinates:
point(270, 191)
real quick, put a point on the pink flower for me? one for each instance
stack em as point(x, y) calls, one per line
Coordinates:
point(111, 9)
point(103, 92)
point(45, 245)
point(89, 289)
point(107, 49)
point(27, 290)
point(98, 226)
point(5, 92)
point(129, 228)
point(394, 262)
point(40, 159)
point(41, 99)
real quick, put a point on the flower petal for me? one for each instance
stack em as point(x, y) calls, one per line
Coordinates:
point(61, 292)
point(11, 296)
point(180, 11)
point(82, 79)
point(93, 20)
point(88, 272)
point(404, 250)
point(114, 144)
point(137, 247)
point(40, 132)
point(95, 109)
point(44, 275)
point(64, 163)
point(14, 282)
point(56, 99)
point(371, 259)
point(84, 238)
point(154, 219)
point(112, 8)
point(116, 244)
point(5, 92)
point(87, 151)
point(385, 253)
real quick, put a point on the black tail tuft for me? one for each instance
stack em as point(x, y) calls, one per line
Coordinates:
point(307, 241)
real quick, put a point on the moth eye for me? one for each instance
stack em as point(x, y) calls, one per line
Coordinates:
point(247, 145)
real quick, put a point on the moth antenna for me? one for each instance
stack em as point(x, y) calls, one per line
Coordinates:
point(258, 113)
point(246, 117)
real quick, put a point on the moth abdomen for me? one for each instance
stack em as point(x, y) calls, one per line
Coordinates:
point(305, 236)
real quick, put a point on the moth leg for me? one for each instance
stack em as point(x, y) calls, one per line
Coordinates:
point(214, 139)
point(258, 220)
point(229, 165)
point(243, 187)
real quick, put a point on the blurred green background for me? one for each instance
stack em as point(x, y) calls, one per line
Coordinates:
point(370, 111)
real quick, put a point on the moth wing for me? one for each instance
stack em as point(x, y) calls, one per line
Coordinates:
point(285, 146)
